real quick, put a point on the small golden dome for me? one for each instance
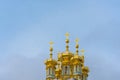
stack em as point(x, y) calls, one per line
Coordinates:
point(51, 61)
point(67, 53)
point(76, 59)
point(85, 69)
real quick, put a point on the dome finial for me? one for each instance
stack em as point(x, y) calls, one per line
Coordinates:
point(77, 40)
point(82, 51)
point(51, 48)
point(67, 41)
point(67, 35)
point(77, 45)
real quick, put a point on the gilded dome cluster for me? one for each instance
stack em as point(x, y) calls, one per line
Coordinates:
point(69, 65)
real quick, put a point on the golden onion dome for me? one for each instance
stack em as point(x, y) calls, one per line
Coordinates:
point(51, 61)
point(65, 57)
point(67, 53)
point(76, 57)
point(85, 69)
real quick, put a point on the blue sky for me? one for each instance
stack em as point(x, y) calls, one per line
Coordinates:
point(27, 26)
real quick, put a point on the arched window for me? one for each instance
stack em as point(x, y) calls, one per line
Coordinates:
point(76, 68)
point(63, 70)
point(66, 69)
point(49, 71)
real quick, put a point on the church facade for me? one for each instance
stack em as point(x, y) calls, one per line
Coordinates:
point(68, 66)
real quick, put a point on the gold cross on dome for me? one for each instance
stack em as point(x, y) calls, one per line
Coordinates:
point(82, 51)
point(51, 43)
point(59, 54)
point(77, 40)
point(67, 35)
